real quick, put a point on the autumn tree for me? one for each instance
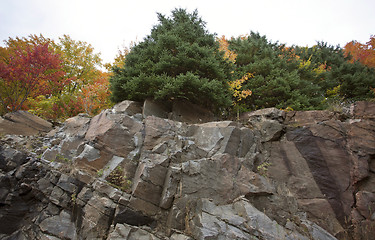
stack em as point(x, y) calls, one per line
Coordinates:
point(180, 59)
point(238, 93)
point(80, 62)
point(84, 87)
point(29, 71)
point(364, 53)
point(88, 90)
point(95, 96)
point(224, 47)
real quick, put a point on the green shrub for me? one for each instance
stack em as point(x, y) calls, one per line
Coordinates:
point(118, 180)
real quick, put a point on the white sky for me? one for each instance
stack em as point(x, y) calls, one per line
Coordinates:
point(110, 24)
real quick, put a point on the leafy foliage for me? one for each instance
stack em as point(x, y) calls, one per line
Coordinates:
point(238, 94)
point(55, 107)
point(224, 46)
point(79, 62)
point(364, 53)
point(95, 95)
point(179, 59)
point(29, 71)
point(52, 80)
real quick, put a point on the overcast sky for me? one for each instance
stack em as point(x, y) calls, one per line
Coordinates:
point(110, 24)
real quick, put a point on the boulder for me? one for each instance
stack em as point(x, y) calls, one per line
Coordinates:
point(124, 231)
point(363, 110)
point(60, 226)
point(178, 110)
point(76, 126)
point(96, 217)
point(154, 108)
point(304, 118)
point(241, 220)
point(23, 123)
point(11, 158)
point(128, 107)
point(266, 113)
point(365, 203)
point(184, 111)
point(268, 122)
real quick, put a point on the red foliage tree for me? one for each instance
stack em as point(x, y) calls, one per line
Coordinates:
point(364, 53)
point(29, 70)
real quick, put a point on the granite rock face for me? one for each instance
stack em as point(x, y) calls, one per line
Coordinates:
point(128, 174)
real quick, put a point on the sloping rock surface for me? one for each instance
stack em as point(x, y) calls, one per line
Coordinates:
point(124, 174)
point(23, 123)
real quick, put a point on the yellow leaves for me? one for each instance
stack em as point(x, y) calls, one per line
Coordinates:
point(334, 92)
point(236, 86)
point(80, 61)
point(241, 95)
point(321, 68)
point(318, 70)
point(287, 109)
point(305, 64)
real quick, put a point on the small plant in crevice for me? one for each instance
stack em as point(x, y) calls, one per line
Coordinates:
point(100, 172)
point(61, 158)
point(118, 180)
point(263, 168)
point(74, 198)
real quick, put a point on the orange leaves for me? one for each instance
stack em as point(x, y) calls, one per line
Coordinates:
point(289, 54)
point(91, 99)
point(224, 46)
point(364, 53)
point(95, 96)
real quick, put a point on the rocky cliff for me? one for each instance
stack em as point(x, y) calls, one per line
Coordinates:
point(127, 175)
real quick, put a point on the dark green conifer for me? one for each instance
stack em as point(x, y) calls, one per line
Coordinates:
point(278, 81)
point(180, 59)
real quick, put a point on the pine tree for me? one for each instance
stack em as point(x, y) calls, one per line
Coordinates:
point(278, 79)
point(180, 59)
point(352, 79)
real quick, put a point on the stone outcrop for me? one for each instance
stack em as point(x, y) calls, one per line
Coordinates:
point(23, 123)
point(182, 111)
point(128, 174)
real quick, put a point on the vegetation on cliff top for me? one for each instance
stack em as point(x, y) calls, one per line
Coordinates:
point(180, 59)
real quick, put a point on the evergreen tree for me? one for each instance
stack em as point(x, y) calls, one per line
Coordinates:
point(353, 80)
point(278, 79)
point(180, 59)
